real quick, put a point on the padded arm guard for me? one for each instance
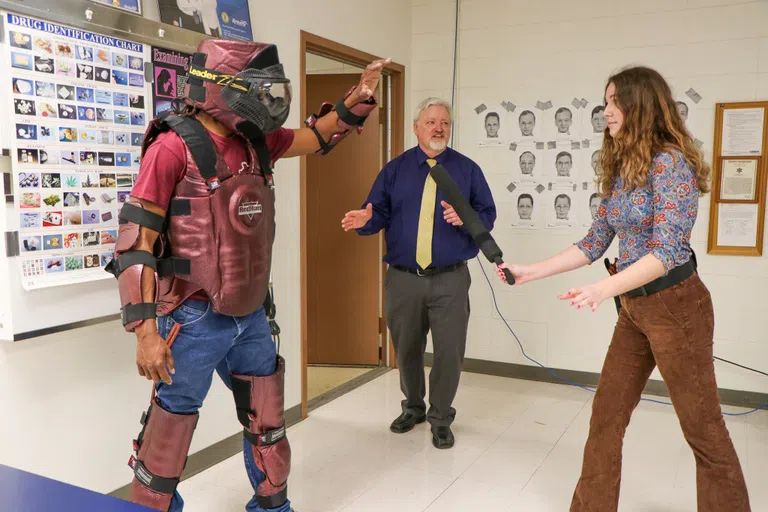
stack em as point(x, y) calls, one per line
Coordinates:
point(128, 264)
point(349, 118)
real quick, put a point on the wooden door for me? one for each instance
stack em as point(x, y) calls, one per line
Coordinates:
point(342, 267)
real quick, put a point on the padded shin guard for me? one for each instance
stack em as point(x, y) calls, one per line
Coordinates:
point(161, 450)
point(259, 402)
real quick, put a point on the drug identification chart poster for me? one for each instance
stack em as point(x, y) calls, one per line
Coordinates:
point(79, 110)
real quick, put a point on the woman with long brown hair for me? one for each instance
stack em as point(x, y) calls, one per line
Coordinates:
point(651, 176)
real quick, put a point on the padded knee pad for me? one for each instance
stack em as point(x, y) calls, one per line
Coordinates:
point(259, 402)
point(161, 454)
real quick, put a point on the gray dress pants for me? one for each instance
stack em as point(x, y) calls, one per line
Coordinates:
point(414, 306)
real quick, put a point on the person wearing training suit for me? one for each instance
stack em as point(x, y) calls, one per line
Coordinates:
point(193, 259)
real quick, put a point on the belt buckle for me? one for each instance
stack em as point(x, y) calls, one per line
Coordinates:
point(643, 291)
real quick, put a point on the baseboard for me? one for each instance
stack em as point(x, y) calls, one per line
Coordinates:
point(732, 397)
point(216, 453)
point(65, 327)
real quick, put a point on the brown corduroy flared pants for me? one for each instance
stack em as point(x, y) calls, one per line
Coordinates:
point(673, 329)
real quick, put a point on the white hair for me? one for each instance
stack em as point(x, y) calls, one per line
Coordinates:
point(429, 102)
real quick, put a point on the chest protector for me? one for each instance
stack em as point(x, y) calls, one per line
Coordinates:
point(220, 224)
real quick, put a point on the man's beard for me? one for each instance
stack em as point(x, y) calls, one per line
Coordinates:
point(437, 145)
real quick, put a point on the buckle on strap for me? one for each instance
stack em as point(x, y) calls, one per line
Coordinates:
point(146, 477)
point(267, 438)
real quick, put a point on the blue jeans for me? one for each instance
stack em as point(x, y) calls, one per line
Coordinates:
point(206, 342)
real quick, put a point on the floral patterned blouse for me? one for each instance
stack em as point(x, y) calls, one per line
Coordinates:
point(657, 218)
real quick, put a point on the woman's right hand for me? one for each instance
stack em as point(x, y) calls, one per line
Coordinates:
point(521, 273)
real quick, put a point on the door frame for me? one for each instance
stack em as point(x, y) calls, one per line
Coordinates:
point(328, 48)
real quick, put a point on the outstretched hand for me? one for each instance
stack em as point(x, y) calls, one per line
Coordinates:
point(590, 296)
point(369, 81)
point(356, 219)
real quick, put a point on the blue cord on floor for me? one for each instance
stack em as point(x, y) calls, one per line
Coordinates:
point(496, 305)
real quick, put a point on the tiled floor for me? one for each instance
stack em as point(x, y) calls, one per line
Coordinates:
point(321, 379)
point(518, 448)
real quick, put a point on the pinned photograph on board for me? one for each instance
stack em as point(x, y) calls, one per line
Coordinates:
point(31, 243)
point(103, 57)
point(26, 131)
point(68, 158)
point(64, 50)
point(30, 200)
point(119, 77)
point(66, 68)
point(30, 220)
point(84, 53)
point(135, 80)
point(44, 65)
point(20, 40)
point(67, 134)
point(119, 60)
point(22, 61)
point(66, 92)
point(103, 75)
point(52, 242)
point(46, 109)
point(84, 95)
point(136, 101)
point(54, 265)
point(45, 89)
point(86, 113)
point(122, 138)
point(71, 199)
point(23, 86)
point(120, 99)
point(29, 180)
point(24, 107)
point(72, 241)
point(67, 111)
point(85, 71)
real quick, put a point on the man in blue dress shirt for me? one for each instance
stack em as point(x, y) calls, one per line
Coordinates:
point(427, 283)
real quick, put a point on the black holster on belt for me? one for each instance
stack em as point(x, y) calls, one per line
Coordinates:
point(611, 268)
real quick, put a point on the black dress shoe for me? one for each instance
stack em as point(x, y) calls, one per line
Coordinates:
point(442, 437)
point(406, 422)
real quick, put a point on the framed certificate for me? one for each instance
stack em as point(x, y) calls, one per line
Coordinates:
point(739, 176)
point(738, 180)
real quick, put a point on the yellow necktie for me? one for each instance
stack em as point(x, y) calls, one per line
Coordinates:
point(426, 220)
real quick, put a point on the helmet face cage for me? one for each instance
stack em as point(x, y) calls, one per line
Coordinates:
point(260, 96)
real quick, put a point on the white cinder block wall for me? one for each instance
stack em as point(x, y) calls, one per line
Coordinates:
point(555, 50)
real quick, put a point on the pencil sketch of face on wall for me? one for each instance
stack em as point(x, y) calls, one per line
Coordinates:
point(682, 107)
point(563, 120)
point(595, 161)
point(527, 121)
point(527, 163)
point(563, 164)
point(562, 206)
point(492, 125)
point(525, 207)
point(598, 120)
